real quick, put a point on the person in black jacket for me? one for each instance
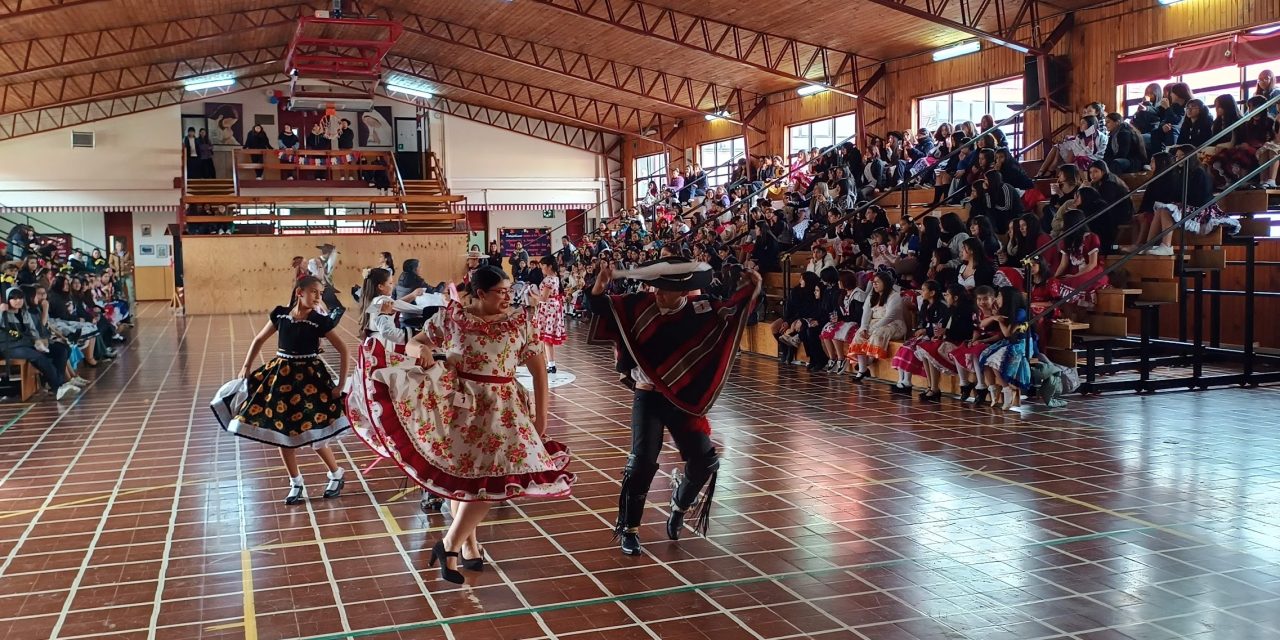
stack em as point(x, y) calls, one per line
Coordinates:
point(950, 331)
point(1012, 171)
point(987, 126)
point(1164, 189)
point(1197, 127)
point(1199, 187)
point(1126, 152)
point(346, 142)
point(257, 139)
point(804, 303)
point(1112, 190)
point(1172, 111)
point(20, 340)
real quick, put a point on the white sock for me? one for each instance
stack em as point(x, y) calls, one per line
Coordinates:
point(335, 475)
point(552, 363)
point(904, 379)
point(296, 480)
point(981, 384)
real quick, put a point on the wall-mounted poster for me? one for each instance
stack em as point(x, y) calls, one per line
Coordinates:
point(146, 249)
point(374, 128)
point(226, 123)
point(536, 241)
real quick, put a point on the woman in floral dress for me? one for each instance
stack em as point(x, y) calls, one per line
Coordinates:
point(458, 423)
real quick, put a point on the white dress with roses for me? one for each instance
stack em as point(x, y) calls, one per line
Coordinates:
point(464, 433)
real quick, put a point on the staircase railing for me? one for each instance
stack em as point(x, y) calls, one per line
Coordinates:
point(1084, 224)
point(803, 244)
point(7, 211)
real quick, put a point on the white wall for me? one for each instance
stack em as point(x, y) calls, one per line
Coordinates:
point(490, 165)
point(159, 222)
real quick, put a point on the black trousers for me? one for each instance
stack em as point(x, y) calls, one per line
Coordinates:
point(651, 412)
point(331, 301)
point(52, 374)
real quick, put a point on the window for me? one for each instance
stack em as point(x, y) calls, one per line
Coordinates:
point(1205, 85)
point(820, 133)
point(719, 158)
point(648, 168)
point(999, 100)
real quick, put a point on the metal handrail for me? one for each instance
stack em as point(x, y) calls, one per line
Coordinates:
point(6, 208)
point(1172, 166)
point(1150, 243)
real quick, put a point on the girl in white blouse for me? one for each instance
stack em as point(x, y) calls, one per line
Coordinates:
point(883, 321)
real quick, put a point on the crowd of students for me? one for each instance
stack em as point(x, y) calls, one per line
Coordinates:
point(60, 314)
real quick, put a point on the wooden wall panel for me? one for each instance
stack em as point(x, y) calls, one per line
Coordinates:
point(235, 274)
point(153, 283)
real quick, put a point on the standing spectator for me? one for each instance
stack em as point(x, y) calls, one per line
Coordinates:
point(19, 242)
point(257, 139)
point(567, 256)
point(192, 153)
point(122, 263)
point(346, 142)
point(289, 140)
point(495, 254)
point(204, 155)
point(317, 140)
point(519, 254)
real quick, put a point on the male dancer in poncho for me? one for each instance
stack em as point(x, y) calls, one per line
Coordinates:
point(675, 349)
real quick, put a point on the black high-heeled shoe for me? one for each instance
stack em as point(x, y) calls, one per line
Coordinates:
point(472, 564)
point(439, 554)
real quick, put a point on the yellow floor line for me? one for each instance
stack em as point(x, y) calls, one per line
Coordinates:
point(79, 502)
point(390, 520)
point(246, 585)
point(402, 494)
point(224, 627)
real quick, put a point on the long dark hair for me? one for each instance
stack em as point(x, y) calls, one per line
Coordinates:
point(368, 291)
point(951, 225)
point(877, 298)
point(1012, 302)
point(1025, 243)
point(1070, 219)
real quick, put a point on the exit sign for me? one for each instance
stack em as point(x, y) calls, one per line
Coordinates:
point(548, 214)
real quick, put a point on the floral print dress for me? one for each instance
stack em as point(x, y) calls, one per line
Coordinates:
point(465, 432)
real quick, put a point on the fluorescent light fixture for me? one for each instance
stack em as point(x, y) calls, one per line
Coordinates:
point(955, 51)
point(810, 89)
point(716, 116)
point(1265, 30)
point(209, 84)
point(1168, 2)
point(421, 93)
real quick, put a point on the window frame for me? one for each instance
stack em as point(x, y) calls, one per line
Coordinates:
point(835, 136)
point(712, 169)
point(1016, 136)
point(641, 181)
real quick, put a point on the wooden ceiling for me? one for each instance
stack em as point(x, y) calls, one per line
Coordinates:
point(618, 66)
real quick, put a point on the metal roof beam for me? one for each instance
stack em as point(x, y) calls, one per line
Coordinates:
point(691, 95)
point(23, 8)
point(588, 112)
point(801, 62)
point(17, 125)
point(25, 56)
point(1010, 15)
point(55, 92)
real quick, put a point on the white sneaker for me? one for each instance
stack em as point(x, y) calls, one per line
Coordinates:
point(1160, 250)
point(66, 390)
point(79, 382)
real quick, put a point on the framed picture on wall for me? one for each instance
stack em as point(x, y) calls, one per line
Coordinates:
point(146, 231)
point(225, 123)
point(146, 249)
point(373, 128)
point(162, 251)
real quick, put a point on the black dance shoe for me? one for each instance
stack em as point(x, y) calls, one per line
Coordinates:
point(980, 397)
point(630, 543)
point(297, 493)
point(438, 554)
point(551, 370)
point(675, 522)
point(472, 564)
point(334, 488)
point(900, 390)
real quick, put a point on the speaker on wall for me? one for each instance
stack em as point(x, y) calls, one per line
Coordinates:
point(1059, 80)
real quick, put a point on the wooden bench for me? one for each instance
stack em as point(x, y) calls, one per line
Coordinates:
point(27, 381)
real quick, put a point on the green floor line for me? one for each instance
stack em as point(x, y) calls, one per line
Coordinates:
point(481, 617)
point(16, 418)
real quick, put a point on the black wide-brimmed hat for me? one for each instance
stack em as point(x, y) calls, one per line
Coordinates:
point(671, 274)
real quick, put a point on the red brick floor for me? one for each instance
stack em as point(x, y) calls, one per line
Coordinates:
point(842, 512)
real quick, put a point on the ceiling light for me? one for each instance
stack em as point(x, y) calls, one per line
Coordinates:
point(717, 116)
point(810, 89)
point(964, 48)
point(1265, 30)
point(209, 84)
point(1168, 2)
point(421, 93)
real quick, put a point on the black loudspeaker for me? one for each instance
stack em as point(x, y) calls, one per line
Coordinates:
point(1059, 80)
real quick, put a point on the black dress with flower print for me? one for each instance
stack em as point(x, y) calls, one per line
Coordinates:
point(293, 400)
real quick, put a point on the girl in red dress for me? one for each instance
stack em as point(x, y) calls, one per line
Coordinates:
point(965, 356)
point(550, 315)
point(1081, 262)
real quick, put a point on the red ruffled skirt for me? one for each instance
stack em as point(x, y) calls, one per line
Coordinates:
point(459, 438)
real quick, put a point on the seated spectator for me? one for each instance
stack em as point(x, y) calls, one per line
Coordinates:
point(953, 236)
point(843, 321)
point(1012, 172)
point(1045, 290)
point(929, 319)
point(804, 303)
point(1199, 193)
point(1025, 237)
point(999, 202)
point(1197, 127)
point(1081, 261)
point(1172, 111)
point(980, 228)
point(1114, 199)
point(820, 260)
point(934, 352)
point(1165, 188)
point(1146, 118)
point(62, 319)
point(20, 340)
point(1266, 89)
point(1125, 152)
point(989, 128)
point(976, 268)
point(882, 322)
point(68, 350)
point(964, 357)
point(1088, 145)
point(1224, 154)
point(1006, 363)
point(1063, 195)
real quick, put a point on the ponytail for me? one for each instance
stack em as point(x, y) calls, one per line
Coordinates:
point(373, 278)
